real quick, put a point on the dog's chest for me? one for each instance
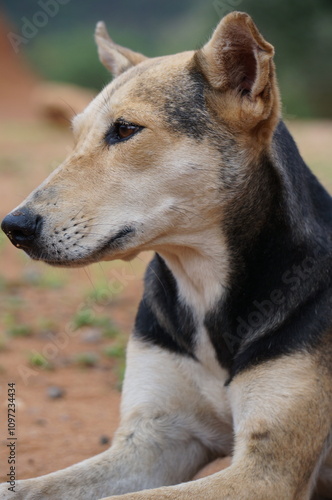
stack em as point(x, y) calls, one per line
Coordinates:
point(209, 377)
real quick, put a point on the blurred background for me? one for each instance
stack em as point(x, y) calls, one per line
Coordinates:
point(63, 332)
point(62, 49)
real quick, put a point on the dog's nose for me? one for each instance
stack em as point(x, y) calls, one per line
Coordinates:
point(22, 227)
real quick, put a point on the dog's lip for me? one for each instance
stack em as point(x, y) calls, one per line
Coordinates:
point(112, 243)
point(120, 234)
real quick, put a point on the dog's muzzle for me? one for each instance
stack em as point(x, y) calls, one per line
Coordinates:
point(22, 228)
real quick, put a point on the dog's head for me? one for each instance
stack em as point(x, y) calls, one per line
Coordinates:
point(157, 152)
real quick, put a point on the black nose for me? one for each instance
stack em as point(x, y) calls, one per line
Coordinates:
point(22, 227)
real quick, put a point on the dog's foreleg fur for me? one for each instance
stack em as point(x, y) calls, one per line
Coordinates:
point(167, 433)
point(279, 441)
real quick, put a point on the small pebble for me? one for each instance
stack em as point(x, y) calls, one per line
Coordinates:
point(104, 440)
point(41, 421)
point(91, 336)
point(55, 392)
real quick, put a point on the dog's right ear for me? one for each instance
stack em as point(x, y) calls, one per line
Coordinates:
point(115, 58)
point(238, 64)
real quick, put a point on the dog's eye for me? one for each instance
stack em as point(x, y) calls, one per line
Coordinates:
point(121, 131)
point(125, 131)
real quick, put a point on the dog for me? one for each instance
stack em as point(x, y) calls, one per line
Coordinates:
point(231, 352)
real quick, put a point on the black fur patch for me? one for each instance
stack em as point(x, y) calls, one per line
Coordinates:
point(161, 318)
point(185, 107)
point(279, 234)
point(181, 99)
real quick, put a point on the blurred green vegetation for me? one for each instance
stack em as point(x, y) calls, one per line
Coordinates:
point(300, 30)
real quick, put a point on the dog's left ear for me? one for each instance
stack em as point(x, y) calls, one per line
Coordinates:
point(238, 62)
point(115, 58)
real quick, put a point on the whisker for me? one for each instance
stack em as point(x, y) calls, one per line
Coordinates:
point(94, 234)
point(180, 211)
point(103, 272)
point(189, 211)
point(156, 275)
point(70, 107)
point(80, 210)
point(89, 277)
point(101, 224)
point(84, 221)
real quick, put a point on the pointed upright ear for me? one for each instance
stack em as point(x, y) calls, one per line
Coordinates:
point(238, 62)
point(115, 58)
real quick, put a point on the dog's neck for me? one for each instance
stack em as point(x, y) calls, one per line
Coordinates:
point(200, 269)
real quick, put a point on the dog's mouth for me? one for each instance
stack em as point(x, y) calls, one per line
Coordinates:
point(80, 255)
point(125, 231)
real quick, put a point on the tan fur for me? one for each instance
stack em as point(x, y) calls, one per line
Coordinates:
point(116, 58)
point(270, 440)
point(231, 44)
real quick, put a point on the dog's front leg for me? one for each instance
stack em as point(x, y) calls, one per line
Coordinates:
point(282, 414)
point(158, 442)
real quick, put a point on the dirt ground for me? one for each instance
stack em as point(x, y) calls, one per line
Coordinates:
point(56, 341)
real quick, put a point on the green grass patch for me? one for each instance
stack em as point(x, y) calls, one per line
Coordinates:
point(84, 317)
point(87, 317)
point(14, 328)
point(120, 369)
point(47, 324)
point(110, 331)
point(20, 330)
point(86, 359)
point(100, 295)
point(118, 353)
point(36, 359)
